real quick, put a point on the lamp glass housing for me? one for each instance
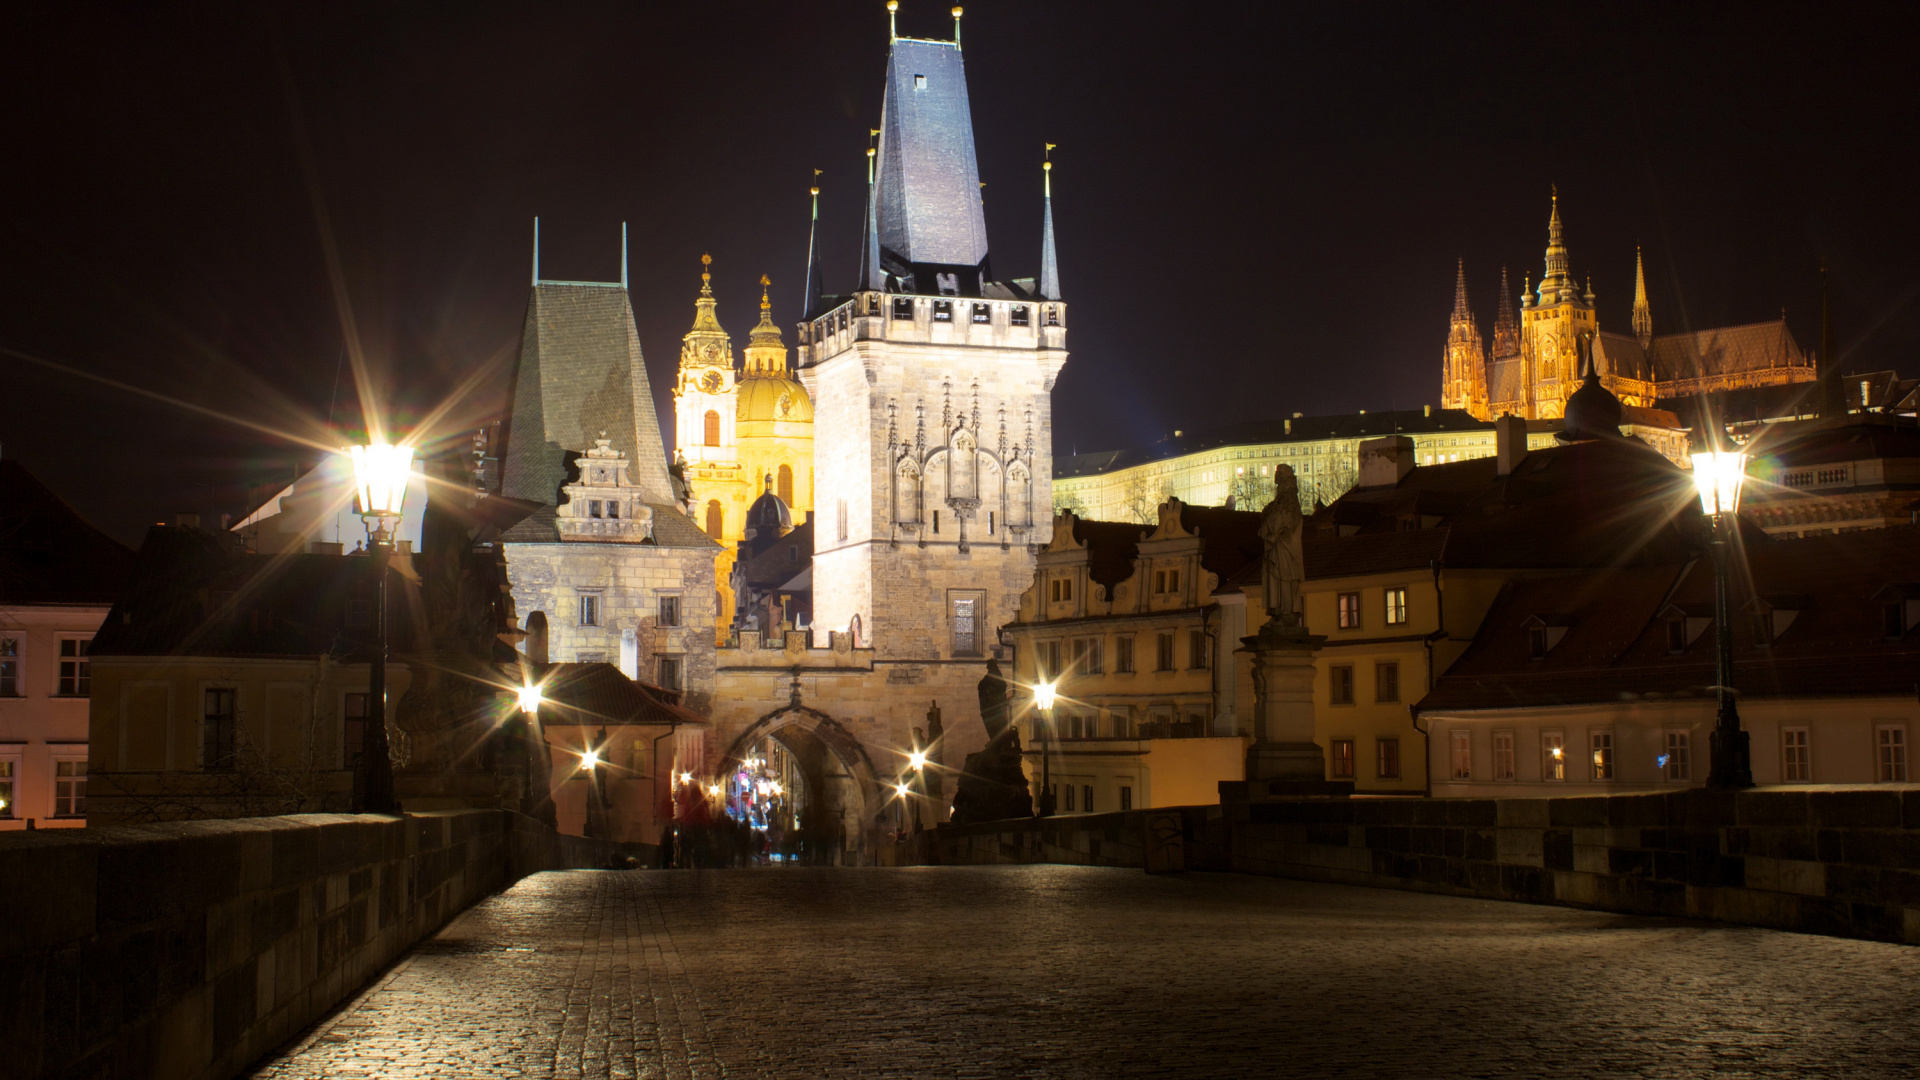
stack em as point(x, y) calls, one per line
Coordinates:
point(530, 698)
point(1043, 694)
point(1718, 476)
point(380, 475)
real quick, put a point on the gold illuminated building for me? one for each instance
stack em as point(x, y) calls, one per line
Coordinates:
point(740, 433)
point(1537, 354)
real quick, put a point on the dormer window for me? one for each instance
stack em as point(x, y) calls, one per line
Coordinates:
point(943, 311)
point(1544, 633)
point(1893, 620)
point(982, 313)
point(1676, 635)
point(1537, 642)
point(903, 308)
point(1019, 316)
point(1899, 609)
point(919, 82)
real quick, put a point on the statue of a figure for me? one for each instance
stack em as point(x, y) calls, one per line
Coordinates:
point(994, 706)
point(1283, 568)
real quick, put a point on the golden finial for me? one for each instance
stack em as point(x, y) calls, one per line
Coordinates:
point(893, 24)
point(956, 24)
point(764, 302)
point(706, 264)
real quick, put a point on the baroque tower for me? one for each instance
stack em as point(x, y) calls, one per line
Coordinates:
point(704, 409)
point(1556, 318)
point(774, 419)
point(1465, 382)
point(932, 382)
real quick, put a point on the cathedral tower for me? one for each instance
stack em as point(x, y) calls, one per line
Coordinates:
point(932, 383)
point(1465, 382)
point(1554, 320)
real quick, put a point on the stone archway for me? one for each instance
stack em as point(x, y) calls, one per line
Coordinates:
point(796, 726)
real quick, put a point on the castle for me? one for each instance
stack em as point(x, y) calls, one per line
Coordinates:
point(1533, 364)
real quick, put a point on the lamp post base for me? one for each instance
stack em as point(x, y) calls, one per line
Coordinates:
point(1731, 757)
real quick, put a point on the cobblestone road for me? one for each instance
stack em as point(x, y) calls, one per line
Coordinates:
point(1053, 971)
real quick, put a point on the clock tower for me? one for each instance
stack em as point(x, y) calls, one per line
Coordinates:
point(705, 407)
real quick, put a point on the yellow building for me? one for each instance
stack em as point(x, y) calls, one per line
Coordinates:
point(738, 432)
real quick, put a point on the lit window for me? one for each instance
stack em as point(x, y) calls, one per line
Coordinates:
point(1553, 756)
point(9, 770)
point(1340, 764)
point(1349, 605)
point(1796, 763)
point(1462, 754)
point(76, 670)
point(1387, 759)
point(69, 789)
point(1600, 743)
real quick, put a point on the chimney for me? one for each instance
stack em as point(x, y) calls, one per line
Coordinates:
point(1509, 442)
point(1386, 461)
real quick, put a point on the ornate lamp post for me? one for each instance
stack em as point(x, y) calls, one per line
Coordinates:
point(1718, 476)
point(1043, 697)
point(380, 472)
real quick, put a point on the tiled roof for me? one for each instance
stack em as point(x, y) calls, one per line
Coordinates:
point(1621, 355)
point(773, 566)
point(193, 593)
point(1372, 553)
point(1260, 432)
point(928, 184)
point(596, 694)
point(1726, 350)
point(1506, 379)
point(1616, 647)
point(48, 552)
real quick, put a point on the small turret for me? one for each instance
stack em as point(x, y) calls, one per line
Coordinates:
point(1049, 262)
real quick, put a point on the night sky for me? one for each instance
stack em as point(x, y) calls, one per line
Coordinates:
point(1258, 206)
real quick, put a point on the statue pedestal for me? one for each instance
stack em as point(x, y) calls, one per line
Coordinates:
point(1284, 760)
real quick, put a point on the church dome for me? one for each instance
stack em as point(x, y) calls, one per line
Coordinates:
point(768, 515)
point(1592, 412)
point(773, 397)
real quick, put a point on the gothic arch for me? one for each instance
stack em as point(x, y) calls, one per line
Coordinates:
point(838, 741)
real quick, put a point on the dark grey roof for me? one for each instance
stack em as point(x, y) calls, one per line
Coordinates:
point(929, 182)
point(1621, 356)
point(1303, 429)
point(48, 553)
point(1726, 350)
point(579, 373)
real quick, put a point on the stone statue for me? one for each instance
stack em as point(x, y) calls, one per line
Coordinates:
point(994, 705)
point(1284, 567)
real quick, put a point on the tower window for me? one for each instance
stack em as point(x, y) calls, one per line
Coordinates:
point(982, 313)
point(919, 82)
point(784, 485)
point(593, 508)
point(715, 519)
point(669, 611)
point(713, 428)
point(589, 609)
point(1019, 316)
point(903, 308)
point(943, 311)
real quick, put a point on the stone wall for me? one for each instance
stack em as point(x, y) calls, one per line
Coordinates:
point(191, 949)
point(1840, 861)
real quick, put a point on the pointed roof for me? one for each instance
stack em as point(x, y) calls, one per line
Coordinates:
point(1642, 311)
point(927, 189)
point(871, 275)
point(707, 345)
point(810, 296)
point(1506, 325)
point(579, 373)
point(1049, 262)
point(1461, 313)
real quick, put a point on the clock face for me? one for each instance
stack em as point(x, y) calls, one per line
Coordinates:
point(710, 382)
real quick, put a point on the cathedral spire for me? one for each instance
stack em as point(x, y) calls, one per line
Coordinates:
point(1049, 262)
point(1506, 326)
point(1461, 313)
point(1556, 275)
point(810, 296)
point(1642, 312)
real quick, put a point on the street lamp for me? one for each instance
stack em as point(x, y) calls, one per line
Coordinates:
point(1718, 476)
point(380, 475)
point(1043, 697)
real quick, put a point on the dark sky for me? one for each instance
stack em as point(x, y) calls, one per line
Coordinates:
point(1258, 206)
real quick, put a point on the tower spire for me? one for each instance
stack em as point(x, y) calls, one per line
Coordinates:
point(1556, 275)
point(623, 254)
point(1506, 326)
point(1642, 312)
point(1461, 312)
point(536, 249)
point(1049, 261)
point(810, 296)
point(871, 277)
point(704, 319)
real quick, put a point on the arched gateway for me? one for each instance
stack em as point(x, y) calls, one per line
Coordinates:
point(840, 802)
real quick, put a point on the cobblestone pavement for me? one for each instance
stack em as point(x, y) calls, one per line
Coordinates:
point(1054, 971)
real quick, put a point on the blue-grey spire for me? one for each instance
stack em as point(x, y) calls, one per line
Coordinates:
point(810, 297)
point(927, 192)
point(871, 274)
point(1049, 262)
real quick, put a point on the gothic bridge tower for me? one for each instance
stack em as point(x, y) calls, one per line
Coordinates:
point(932, 384)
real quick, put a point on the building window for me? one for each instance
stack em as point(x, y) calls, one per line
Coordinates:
point(593, 508)
point(843, 519)
point(1386, 761)
point(716, 520)
point(1060, 589)
point(1349, 603)
point(667, 670)
point(353, 729)
point(9, 667)
point(1086, 798)
point(1123, 654)
point(1341, 754)
point(1197, 649)
point(1553, 756)
point(1340, 690)
point(1046, 660)
point(669, 611)
point(1503, 759)
point(1126, 797)
point(1890, 744)
point(943, 312)
point(1020, 317)
point(1676, 635)
point(1093, 663)
point(966, 633)
point(712, 428)
point(217, 729)
point(783, 484)
point(1122, 724)
point(1537, 644)
point(69, 789)
point(1386, 681)
point(1677, 762)
point(1165, 641)
point(1166, 581)
point(1894, 618)
point(589, 609)
point(903, 308)
point(1600, 743)
point(982, 313)
point(1796, 761)
point(1461, 742)
point(1396, 607)
point(9, 772)
point(76, 671)
point(1069, 806)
